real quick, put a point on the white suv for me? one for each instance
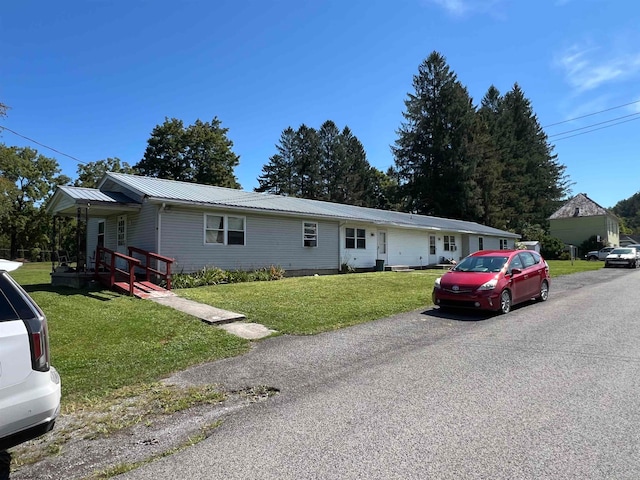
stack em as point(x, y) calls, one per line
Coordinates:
point(29, 385)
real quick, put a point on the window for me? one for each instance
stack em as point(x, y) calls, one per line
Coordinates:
point(224, 230)
point(432, 244)
point(450, 243)
point(101, 233)
point(235, 231)
point(122, 230)
point(355, 238)
point(515, 263)
point(310, 234)
point(504, 245)
point(480, 243)
point(527, 259)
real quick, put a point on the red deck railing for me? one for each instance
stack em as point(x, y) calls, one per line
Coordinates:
point(108, 271)
point(149, 267)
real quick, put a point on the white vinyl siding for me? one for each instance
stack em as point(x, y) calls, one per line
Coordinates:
point(269, 240)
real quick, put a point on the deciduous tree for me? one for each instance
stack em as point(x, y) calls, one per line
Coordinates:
point(90, 174)
point(200, 153)
point(29, 180)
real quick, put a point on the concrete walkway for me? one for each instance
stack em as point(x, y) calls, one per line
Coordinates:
point(229, 321)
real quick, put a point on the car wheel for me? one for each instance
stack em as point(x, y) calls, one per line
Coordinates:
point(592, 258)
point(505, 301)
point(544, 291)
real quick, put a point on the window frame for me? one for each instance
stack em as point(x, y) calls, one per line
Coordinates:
point(504, 244)
point(480, 243)
point(356, 241)
point(309, 237)
point(450, 243)
point(226, 231)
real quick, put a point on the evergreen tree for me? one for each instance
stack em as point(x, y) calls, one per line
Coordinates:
point(533, 181)
point(333, 162)
point(434, 154)
point(489, 174)
point(306, 163)
point(277, 175)
point(325, 164)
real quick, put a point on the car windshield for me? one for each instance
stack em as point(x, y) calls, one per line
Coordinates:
point(622, 250)
point(481, 264)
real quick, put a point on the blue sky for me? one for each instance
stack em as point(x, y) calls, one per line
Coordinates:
point(92, 78)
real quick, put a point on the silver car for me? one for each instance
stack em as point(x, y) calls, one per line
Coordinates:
point(622, 257)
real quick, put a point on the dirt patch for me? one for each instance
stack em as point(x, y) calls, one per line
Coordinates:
point(75, 450)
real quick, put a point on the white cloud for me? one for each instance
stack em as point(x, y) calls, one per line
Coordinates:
point(588, 68)
point(459, 8)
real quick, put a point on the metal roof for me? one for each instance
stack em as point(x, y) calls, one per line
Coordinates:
point(182, 192)
point(93, 195)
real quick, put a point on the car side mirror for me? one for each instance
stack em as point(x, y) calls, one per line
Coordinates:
point(515, 270)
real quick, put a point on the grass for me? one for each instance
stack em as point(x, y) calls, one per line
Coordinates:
point(565, 267)
point(102, 341)
point(308, 305)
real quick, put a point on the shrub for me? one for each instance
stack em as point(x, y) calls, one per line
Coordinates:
point(216, 276)
point(551, 247)
point(591, 244)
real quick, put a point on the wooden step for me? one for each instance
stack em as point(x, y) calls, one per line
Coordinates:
point(137, 292)
point(148, 286)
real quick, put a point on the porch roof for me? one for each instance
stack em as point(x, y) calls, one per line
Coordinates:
point(67, 199)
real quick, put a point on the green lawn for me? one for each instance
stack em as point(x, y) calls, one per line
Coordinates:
point(102, 341)
point(307, 305)
point(564, 267)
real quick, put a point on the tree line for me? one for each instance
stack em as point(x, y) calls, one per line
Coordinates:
point(490, 163)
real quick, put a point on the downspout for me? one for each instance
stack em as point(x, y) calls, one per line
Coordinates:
point(159, 240)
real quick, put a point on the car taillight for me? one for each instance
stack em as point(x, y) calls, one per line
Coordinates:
point(39, 342)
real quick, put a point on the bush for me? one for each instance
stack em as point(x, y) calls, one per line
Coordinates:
point(591, 244)
point(551, 247)
point(216, 276)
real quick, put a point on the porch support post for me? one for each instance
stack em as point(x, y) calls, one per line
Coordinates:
point(53, 242)
point(78, 235)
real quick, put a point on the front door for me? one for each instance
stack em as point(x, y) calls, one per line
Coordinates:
point(433, 257)
point(382, 245)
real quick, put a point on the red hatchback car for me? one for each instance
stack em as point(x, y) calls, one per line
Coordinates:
point(494, 280)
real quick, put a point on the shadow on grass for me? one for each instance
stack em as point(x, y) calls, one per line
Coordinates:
point(97, 292)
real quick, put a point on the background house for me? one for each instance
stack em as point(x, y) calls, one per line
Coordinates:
point(629, 240)
point(580, 218)
point(203, 225)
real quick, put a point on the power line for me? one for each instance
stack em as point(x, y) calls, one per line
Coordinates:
point(595, 129)
point(42, 145)
point(595, 125)
point(590, 114)
point(546, 126)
